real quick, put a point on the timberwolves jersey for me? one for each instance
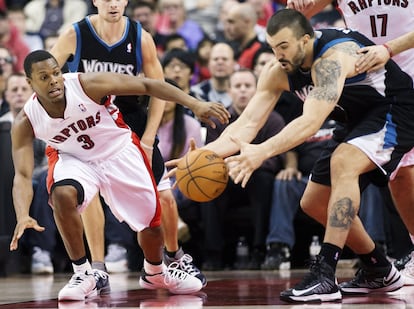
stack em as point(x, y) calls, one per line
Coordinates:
point(363, 92)
point(382, 21)
point(86, 128)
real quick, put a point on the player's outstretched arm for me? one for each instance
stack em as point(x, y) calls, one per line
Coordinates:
point(22, 152)
point(98, 85)
point(308, 7)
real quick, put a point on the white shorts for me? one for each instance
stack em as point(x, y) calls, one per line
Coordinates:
point(123, 180)
point(407, 160)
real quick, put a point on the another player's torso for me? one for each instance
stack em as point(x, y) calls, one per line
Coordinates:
point(86, 127)
point(95, 55)
point(381, 21)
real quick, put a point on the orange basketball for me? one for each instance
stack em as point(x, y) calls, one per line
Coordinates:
point(202, 175)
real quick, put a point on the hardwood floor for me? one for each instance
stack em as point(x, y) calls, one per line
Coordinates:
point(230, 289)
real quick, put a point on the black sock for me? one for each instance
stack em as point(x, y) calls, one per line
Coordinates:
point(331, 253)
point(170, 254)
point(376, 258)
point(81, 261)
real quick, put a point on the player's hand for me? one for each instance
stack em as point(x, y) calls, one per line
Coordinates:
point(242, 166)
point(300, 5)
point(289, 174)
point(172, 164)
point(22, 224)
point(205, 111)
point(372, 58)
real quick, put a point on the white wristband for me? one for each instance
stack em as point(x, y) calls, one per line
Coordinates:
point(143, 145)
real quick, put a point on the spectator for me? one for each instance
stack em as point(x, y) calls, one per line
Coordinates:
point(175, 40)
point(17, 17)
point(221, 65)
point(175, 131)
point(263, 9)
point(203, 12)
point(288, 189)
point(11, 39)
point(175, 19)
point(47, 17)
point(201, 71)
point(258, 191)
point(6, 69)
point(240, 26)
point(178, 65)
point(221, 32)
point(145, 12)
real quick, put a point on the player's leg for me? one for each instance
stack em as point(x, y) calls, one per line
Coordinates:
point(132, 197)
point(404, 201)
point(94, 221)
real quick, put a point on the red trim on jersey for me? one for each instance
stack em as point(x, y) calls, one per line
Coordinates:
point(52, 158)
point(156, 220)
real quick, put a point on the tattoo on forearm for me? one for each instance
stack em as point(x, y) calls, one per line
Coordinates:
point(342, 213)
point(326, 75)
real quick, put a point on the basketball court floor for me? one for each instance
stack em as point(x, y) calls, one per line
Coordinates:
point(227, 289)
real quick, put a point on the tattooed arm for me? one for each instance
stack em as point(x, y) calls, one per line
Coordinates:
point(328, 74)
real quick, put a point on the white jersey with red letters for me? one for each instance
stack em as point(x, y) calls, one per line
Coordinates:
point(93, 150)
point(382, 21)
point(86, 130)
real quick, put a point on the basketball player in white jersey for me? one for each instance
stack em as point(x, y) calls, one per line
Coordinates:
point(390, 26)
point(91, 150)
point(109, 41)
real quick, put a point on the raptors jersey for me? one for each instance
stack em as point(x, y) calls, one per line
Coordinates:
point(381, 21)
point(88, 131)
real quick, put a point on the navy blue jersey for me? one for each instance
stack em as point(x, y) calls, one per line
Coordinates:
point(363, 92)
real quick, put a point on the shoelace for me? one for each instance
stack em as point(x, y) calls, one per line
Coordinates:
point(186, 265)
point(174, 274)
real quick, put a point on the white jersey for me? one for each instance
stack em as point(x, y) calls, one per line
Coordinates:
point(88, 131)
point(381, 21)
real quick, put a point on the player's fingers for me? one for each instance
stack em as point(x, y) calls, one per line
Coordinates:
point(193, 145)
point(39, 228)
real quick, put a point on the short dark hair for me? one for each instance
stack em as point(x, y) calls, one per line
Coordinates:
point(289, 18)
point(180, 54)
point(140, 4)
point(34, 57)
point(265, 49)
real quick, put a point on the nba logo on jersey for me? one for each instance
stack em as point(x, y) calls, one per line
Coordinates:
point(82, 107)
point(129, 48)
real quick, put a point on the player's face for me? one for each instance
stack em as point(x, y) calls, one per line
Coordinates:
point(47, 81)
point(110, 10)
point(289, 50)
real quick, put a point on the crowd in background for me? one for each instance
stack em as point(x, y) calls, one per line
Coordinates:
point(213, 50)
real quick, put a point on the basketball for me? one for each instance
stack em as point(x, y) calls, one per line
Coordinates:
point(201, 175)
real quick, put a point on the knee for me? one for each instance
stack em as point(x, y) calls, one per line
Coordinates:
point(64, 198)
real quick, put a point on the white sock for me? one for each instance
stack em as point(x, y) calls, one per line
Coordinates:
point(152, 269)
point(82, 268)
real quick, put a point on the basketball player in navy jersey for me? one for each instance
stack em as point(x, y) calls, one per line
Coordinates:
point(109, 41)
point(383, 23)
point(374, 113)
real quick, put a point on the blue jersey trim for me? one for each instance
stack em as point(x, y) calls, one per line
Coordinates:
point(138, 50)
point(74, 64)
